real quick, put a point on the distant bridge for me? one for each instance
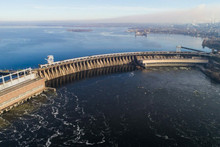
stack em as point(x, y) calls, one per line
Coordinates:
point(70, 66)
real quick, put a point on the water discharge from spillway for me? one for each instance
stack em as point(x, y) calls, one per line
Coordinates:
point(88, 74)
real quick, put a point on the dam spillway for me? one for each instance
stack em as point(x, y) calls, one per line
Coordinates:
point(71, 66)
point(55, 73)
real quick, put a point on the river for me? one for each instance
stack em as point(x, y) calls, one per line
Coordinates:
point(116, 106)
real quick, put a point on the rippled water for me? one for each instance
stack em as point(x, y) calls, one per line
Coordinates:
point(28, 47)
point(162, 107)
point(117, 106)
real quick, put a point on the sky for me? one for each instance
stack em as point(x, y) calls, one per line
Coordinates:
point(46, 10)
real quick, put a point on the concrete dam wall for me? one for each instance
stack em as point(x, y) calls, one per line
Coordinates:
point(17, 87)
point(71, 66)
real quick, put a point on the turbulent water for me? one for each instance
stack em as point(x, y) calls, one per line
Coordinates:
point(116, 106)
point(162, 107)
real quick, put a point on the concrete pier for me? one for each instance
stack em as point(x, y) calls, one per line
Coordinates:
point(19, 89)
point(173, 62)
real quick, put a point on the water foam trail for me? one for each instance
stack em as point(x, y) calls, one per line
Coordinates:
point(56, 134)
point(103, 139)
point(59, 107)
point(150, 118)
point(78, 108)
point(66, 101)
point(131, 74)
point(40, 120)
point(79, 132)
point(35, 128)
point(55, 111)
point(105, 130)
point(105, 122)
point(88, 143)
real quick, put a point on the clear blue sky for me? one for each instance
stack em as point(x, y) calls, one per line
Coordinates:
point(30, 10)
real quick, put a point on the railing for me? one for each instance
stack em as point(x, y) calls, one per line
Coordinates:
point(16, 78)
point(116, 54)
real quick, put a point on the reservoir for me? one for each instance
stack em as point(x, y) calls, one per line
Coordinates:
point(119, 106)
point(23, 47)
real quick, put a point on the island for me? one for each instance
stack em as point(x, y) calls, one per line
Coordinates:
point(79, 30)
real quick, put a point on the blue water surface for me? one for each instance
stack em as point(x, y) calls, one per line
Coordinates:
point(23, 47)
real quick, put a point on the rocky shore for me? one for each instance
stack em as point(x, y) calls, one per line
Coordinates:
point(212, 70)
point(212, 43)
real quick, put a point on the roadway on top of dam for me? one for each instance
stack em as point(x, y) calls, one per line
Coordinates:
point(61, 68)
point(203, 54)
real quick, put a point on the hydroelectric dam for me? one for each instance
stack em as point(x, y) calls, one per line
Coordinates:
point(20, 86)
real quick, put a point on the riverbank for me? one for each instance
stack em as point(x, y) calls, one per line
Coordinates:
point(208, 32)
point(213, 43)
point(212, 69)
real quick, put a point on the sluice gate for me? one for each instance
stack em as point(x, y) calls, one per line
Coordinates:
point(17, 87)
point(62, 68)
point(75, 66)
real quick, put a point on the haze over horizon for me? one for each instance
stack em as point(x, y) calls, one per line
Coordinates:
point(123, 11)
